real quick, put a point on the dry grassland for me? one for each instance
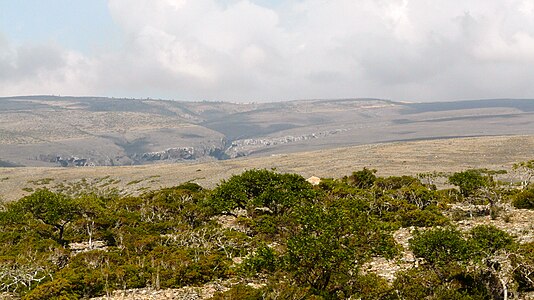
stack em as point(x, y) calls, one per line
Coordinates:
point(410, 158)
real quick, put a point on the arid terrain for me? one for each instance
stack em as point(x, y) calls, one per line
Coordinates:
point(79, 145)
point(394, 158)
point(49, 131)
point(442, 155)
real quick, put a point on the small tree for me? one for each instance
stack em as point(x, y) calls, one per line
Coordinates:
point(332, 243)
point(477, 185)
point(362, 179)
point(261, 188)
point(50, 208)
point(491, 256)
point(470, 182)
point(429, 179)
point(440, 247)
point(92, 215)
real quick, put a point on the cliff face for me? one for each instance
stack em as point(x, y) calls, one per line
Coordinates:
point(245, 147)
point(174, 154)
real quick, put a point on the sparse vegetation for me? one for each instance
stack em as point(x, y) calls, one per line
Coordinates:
point(134, 182)
point(43, 181)
point(253, 128)
point(276, 230)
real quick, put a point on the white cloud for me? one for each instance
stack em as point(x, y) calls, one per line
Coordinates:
point(44, 69)
point(527, 7)
point(239, 50)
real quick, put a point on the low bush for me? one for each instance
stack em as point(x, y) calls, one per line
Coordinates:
point(240, 291)
point(524, 199)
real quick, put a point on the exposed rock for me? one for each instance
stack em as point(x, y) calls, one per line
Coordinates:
point(516, 222)
point(205, 291)
point(66, 161)
point(179, 153)
point(86, 246)
point(314, 180)
point(388, 268)
point(243, 147)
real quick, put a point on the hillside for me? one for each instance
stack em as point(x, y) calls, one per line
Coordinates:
point(50, 131)
point(264, 234)
point(441, 155)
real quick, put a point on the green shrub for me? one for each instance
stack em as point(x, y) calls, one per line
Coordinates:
point(58, 289)
point(451, 293)
point(370, 287)
point(452, 282)
point(283, 290)
point(524, 267)
point(470, 181)
point(319, 238)
point(240, 291)
point(423, 218)
point(486, 239)
point(190, 186)
point(404, 214)
point(415, 283)
point(84, 274)
point(261, 188)
point(264, 260)
point(524, 199)
point(440, 246)
point(181, 266)
point(418, 195)
point(337, 188)
point(363, 179)
point(396, 182)
point(332, 243)
point(55, 210)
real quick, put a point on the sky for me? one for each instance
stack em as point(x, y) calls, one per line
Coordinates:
point(261, 50)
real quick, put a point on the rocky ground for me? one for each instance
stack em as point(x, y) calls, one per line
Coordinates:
point(517, 222)
point(190, 293)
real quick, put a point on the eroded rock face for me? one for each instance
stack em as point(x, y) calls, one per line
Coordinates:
point(244, 147)
point(66, 161)
point(179, 153)
point(167, 155)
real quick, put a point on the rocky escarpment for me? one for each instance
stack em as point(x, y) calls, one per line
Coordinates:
point(180, 154)
point(245, 147)
point(220, 151)
point(66, 161)
point(174, 154)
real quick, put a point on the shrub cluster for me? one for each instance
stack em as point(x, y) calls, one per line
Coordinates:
point(304, 241)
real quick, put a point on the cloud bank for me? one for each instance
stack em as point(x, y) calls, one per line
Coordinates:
point(230, 50)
